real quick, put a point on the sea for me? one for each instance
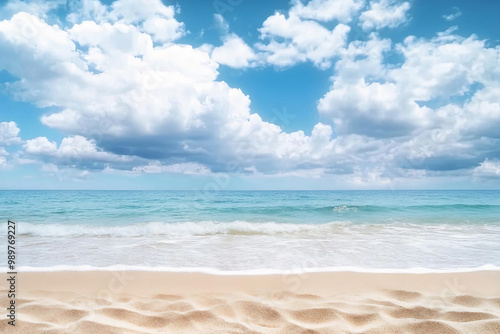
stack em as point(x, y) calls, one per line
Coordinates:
point(253, 231)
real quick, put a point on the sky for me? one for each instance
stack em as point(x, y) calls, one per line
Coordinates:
point(240, 94)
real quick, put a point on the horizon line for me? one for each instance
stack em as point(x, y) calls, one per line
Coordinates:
point(229, 190)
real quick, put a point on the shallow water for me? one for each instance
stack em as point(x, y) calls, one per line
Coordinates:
point(248, 230)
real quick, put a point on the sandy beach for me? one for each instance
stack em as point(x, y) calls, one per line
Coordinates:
point(336, 302)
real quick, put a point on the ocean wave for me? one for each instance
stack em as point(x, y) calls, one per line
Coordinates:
point(353, 208)
point(171, 229)
point(424, 207)
point(245, 228)
point(344, 208)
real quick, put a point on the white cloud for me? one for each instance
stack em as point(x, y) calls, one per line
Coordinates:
point(384, 13)
point(163, 29)
point(148, 16)
point(412, 107)
point(3, 159)
point(482, 113)
point(298, 36)
point(80, 147)
point(165, 105)
point(153, 16)
point(128, 103)
point(327, 10)
point(40, 146)
point(85, 10)
point(488, 169)
point(110, 45)
point(38, 8)
point(375, 109)
point(221, 23)
point(136, 11)
point(234, 53)
point(9, 133)
point(442, 67)
point(294, 40)
point(455, 14)
point(363, 59)
point(74, 151)
point(368, 96)
point(287, 41)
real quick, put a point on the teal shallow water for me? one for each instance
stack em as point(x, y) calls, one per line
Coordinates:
point(306, 207)
point(244, 230)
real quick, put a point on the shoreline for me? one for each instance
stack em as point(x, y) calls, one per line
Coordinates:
point(254, 272)
point(326, 302)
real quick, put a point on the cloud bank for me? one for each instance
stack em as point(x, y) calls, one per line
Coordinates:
point(130, 97)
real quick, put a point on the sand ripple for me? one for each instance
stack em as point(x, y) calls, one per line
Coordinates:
point(390, 311)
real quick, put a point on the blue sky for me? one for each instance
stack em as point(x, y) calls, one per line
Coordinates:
point(231, 94)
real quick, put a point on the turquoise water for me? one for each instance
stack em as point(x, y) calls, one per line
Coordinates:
point(246, 230)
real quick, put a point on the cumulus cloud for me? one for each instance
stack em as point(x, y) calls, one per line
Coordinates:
point(327, 10)
point(375, 109)
point(74, 151)
point(129, 98)
point(413, 107)
point(293, 40)
point(359, 103)
point(85, 10)
point(40, 146)
point(149, 16)
point(488, 169)
point(234, 53)
point(144, 101)
point(438, 68)
point(301, 34)
point(384, 13)
point(153, 17)
point(9, 133)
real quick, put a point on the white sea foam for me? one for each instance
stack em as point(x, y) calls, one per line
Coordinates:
point(213, 271)
point(179, 229)
point(344, 208)
point(242, 246)
point(169, 229)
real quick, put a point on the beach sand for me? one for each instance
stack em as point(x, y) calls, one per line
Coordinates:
point(335, 302)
